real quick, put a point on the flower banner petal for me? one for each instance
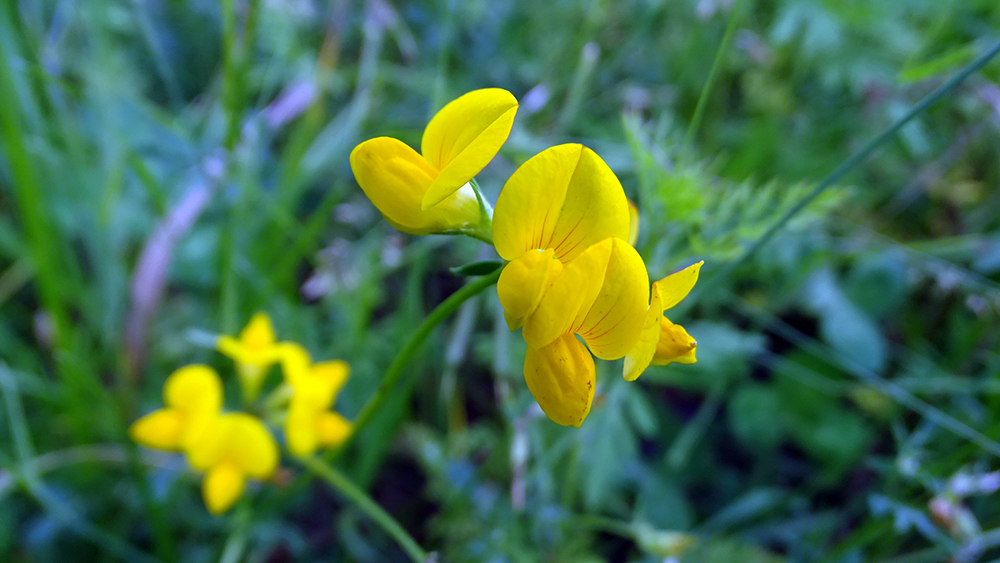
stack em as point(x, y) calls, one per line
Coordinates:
point(633, 223)
point(561, 378)
point(194, 388)
point(523, 282)
point(463, 138)
point(395, 179)
point(565, 198)
point(613, 322)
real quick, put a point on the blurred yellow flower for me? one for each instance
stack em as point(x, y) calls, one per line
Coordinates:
point(235, 447)
point(254, 352)
point(192, 396)
point(229, 448)
point(430, 192)
point(662, 342)
point(310, 424)
point(563, 221)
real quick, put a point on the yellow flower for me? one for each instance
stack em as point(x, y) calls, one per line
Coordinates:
point(662, 342)
point(563, 221)
point(310, 424)
point(254, 352)
point(235, 447)
point(192, 396)
point(430, 192)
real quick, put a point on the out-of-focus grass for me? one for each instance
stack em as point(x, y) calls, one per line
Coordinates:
point(169, 168)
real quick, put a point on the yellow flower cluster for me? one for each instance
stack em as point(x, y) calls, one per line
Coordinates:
point(572, 282)
point(230, 448)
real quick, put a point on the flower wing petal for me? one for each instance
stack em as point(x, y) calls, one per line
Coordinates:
point(161, 429)
point(561, 377)
point(238, 439)
point(523, 282)
point(612, 325)
point(251, 446)
point(569, 297)
point(565, 198)
point(639, 357)
point(463, 138)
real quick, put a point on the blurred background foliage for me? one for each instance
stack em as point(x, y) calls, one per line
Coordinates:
point(170, 167)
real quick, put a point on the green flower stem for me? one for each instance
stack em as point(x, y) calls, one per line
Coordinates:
point(365, 503)
point(391, 380)
point(236, 545)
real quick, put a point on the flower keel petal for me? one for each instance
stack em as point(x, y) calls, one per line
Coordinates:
point(222, 487)
point(561, 378)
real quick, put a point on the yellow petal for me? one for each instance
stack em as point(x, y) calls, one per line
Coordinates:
point(333, 374)
point(569, 297)
point(222, 487)
point(238, 439)
point(395, 179)
point(675, 345)
point(295, 361)
point(612, 325)
point(561, 377)
point(300, 430)
point(194, 388)
point(255, 345)
point(464, 137)
point(332, 429)
point(670, 290)
point(523, 282)
point(676, 286)
point(161, 429)
point(633, 223)
point(259, 332)
point(639, 357)
point(565, 198)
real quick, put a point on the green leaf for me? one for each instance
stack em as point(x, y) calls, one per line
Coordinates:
point(756, 416)
point(847, 329)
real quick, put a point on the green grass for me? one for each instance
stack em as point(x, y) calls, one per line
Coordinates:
point(842, 408)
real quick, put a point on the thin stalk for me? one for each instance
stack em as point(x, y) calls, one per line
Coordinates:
point(699, 109)
point(27, 475)
point(236, 544)
point(866, 151)
point(392, 380)
point(365, 503)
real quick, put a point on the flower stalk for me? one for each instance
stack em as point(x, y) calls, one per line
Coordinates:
point(363, 502)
